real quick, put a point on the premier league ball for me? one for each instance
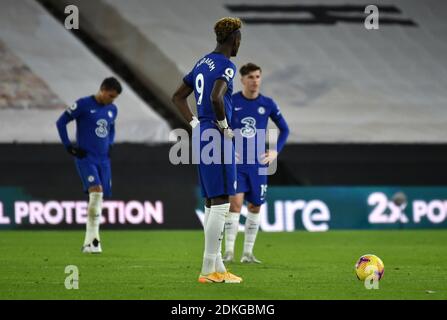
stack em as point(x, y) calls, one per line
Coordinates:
point(368, 265)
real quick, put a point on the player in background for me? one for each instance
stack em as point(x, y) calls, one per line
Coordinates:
point(95, 117)
point(211, 80)
point(251, 113)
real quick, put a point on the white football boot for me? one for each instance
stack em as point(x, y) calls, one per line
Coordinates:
point(249, 258)
point(94, 247)
point(228, 257)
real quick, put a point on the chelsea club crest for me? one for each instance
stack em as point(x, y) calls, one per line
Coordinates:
point(261, 110)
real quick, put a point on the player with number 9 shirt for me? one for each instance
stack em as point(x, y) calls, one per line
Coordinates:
point(211, 80)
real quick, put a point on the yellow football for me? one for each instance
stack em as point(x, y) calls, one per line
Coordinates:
point(367, 265)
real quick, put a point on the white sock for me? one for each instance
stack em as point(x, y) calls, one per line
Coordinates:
point(93, 217)
point(213, 236)
point(207, 215)
point(220, 266)
point(251, 230)
point(205, 222)
point(231, 230)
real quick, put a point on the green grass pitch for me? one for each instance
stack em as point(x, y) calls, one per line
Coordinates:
point(166, 264)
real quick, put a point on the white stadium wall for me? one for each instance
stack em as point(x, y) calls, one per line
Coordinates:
point(335, 82)
point(44, 69)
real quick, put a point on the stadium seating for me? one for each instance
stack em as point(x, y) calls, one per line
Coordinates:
point(335, 82)
point(43, 69)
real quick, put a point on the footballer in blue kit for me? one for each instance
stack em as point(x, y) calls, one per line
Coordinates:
point(211, 80)
point(216, 179)
point(95, 133)
point(251, 114)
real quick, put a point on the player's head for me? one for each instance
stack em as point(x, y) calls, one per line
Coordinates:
point(251, 77)
point(228, 33)
point(110, 89)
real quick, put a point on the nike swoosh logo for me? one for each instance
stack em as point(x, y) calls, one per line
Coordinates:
point(237, 109)
point(92, 111)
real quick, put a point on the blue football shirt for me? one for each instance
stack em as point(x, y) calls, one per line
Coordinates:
point(206, 71)
point(250, 116)
point(95, 126)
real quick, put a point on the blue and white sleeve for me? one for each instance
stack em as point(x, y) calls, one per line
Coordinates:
point(71, 113)
point(188, 80)
point(228, 72)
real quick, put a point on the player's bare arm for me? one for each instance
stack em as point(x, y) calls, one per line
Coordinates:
point(217, 99)
point(180, 100)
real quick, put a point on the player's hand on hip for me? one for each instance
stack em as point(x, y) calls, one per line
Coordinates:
point(269, 156)
point(194, 122)
point(225, 128)
point(77, 152)
point(228, 133)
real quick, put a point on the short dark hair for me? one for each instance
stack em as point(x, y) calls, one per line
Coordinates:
point(111, 84)
point(249, 67)
point(225, 27)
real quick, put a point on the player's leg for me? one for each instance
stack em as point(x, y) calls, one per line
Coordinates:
point(219, 181)
point(255, 198)
point(251, 231)
point(220, 207)
point(96, 195)
point(207, 212)
point(92, 241)
point(223, 203)
point(220, 267)
point(213, 269)
point(93, 186)
point(213, 227)
point(208, 272)
point(232, 220)
point(213, 232)
point(210, 276)
point(232, 225)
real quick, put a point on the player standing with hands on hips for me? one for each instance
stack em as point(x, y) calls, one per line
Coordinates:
point(95, 133)
point(251, 114)
point(211, 80)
